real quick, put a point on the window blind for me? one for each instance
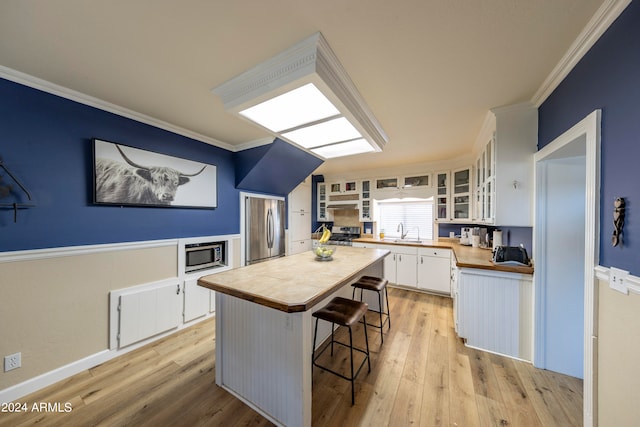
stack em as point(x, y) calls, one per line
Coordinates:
point(416, 216)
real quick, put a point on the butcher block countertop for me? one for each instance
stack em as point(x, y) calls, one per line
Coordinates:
point(294, 283)
point(466, 256)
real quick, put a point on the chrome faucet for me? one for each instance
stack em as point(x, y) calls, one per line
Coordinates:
point(401, 230)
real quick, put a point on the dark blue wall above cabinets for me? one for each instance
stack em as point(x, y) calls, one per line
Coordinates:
point(45, 140)
point(608, 78)
point(275, 168)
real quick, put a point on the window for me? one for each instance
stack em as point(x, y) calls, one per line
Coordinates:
point(416, 215)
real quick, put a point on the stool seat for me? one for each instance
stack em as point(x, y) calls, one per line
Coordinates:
point(342, 311)
point(377, 285)
point(371, 283)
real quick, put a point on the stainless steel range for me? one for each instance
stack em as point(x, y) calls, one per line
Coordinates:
point(343, 236)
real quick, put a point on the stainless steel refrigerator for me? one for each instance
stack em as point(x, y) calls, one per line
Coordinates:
point(264, 229)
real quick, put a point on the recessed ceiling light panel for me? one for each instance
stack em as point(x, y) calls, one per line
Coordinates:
point(348, 148)
point(324, 133)
point(305, 84)
point(303, 105)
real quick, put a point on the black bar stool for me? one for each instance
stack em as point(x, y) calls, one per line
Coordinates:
point(376, 284)
point(343, 312)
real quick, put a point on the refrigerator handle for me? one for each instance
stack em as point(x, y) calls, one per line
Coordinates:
point(270, 228)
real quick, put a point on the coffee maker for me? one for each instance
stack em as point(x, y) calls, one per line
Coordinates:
point(465, 236)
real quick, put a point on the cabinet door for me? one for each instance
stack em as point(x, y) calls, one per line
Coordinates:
point(299, 200)
point(299, 226)
point(299, 246)
point(196, 300)
point(406, 269)
point(416, 181)
point(366, 213)
point(434, 271)
point(442, 196)
point(387, 184)
point(461, 194)
point(322, 211)
point(390, 267)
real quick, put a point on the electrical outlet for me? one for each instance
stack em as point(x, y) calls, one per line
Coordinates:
point(617, 280)
point(12, 361)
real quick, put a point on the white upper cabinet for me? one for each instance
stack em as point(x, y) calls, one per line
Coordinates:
point(504, 197)
point(366, 202)
point(299, 224)
point(343, 187)
point(300, 198)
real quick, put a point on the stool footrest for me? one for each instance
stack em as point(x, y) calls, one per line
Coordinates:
point(366, 356)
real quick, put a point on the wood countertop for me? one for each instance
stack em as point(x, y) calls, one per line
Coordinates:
point(466, 256)
point(294, 283)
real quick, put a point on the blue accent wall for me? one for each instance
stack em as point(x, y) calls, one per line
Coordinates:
point(45, 140)
point(276, 168)
point(607, 78)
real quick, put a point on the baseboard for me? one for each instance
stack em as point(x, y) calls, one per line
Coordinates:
point(15, 392)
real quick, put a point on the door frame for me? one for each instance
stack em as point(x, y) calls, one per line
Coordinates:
point(589, 128)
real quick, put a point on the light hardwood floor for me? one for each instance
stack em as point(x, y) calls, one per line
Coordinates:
point(421, 375)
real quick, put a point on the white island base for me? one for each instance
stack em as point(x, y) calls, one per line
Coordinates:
point(263, 354)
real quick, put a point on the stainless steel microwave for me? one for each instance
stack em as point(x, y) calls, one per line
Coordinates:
point(199, 256)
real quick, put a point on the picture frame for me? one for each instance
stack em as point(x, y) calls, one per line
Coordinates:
point(128, 176)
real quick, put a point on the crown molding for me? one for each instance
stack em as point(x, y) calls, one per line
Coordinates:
point(64, 92)
point(254, 143)
point(595, 28)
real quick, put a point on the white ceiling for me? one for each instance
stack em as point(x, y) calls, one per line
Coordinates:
point(428, 69)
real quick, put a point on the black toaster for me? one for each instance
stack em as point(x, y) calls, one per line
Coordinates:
point(510, 255)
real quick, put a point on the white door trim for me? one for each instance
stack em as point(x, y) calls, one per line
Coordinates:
point(589, 127)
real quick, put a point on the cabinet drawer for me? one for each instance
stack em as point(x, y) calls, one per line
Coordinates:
point(435, 252)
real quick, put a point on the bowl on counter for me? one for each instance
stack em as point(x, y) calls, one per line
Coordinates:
point(324, 252)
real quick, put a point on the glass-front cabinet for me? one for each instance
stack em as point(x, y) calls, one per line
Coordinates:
point(485, 184)
point(442, 196)
point(461, 207)
point(416, 181)
point(366, 213)
point(387, 183)
point(322, 212)
point(343, 187)
point(453, 195)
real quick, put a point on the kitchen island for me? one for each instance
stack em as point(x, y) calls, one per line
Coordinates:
point(264, 327)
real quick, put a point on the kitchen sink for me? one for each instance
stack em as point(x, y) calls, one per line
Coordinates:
point(402, 240)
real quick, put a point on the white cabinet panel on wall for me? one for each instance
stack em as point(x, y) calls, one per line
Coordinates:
point(148, 310)
point(434, 270)
point(495, 311)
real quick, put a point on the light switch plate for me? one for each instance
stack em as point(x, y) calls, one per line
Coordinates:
point(618, 280)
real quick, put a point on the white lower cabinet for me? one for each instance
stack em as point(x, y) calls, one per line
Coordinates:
point(299, 246)
point(196, 300)
point(400, 266)
point(406, 271)
point(427, 269)
point(495, 311)
point(434, 270)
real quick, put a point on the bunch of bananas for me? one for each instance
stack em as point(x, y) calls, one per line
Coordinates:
point(325, 235)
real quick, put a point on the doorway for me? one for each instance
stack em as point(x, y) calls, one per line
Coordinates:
point(566, 241)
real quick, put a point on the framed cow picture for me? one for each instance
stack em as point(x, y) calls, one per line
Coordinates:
point(127, 176)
